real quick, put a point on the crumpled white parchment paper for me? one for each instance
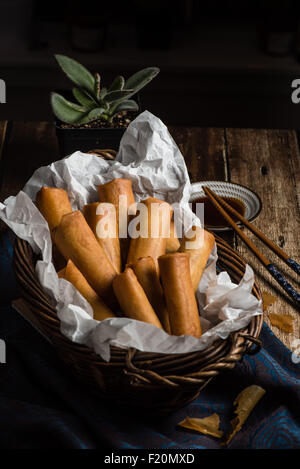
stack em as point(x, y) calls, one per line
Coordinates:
point(149, 157)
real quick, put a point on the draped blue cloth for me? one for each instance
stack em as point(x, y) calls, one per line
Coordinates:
point(43, 406)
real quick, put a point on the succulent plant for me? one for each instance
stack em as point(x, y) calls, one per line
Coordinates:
point(93, 100)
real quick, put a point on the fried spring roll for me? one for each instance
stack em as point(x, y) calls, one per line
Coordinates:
point(133, 299)
point(179, 294)
point(155, 224)
point(173, 243)
point(76, 241)
point(146, 273)
point(198, 248)
point(119, 193)
point(74, 276)
point(53, 203)
point(111, 191)
point(107, 236)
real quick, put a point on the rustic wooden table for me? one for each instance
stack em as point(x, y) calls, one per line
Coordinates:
point(267, 161)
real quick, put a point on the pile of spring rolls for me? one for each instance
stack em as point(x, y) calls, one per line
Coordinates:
point(150, 278)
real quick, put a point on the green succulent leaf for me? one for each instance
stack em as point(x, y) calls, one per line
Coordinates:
point(126, 105)
point(117, 95)
point(141, 79)
point(84, 98)
point(103, 93)
point(84, 120)
point(66, 111)
point(117, 84)
point(96, 113)
point(77, 73)
point(97, 85)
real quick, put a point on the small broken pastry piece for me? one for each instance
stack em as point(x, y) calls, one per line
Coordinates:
point(74, 276)
point(173, 243)
point(284, 322)
point(132, 298)
point(267, 299)
point(207, 425)
point(245, 403)
point(76, 241)
point(154, 223)
point(146, 273)
point(101, 218)
point(53, 203)
point(179, 294)
point(198, 246)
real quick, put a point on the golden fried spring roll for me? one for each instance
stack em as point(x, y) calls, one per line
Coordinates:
point(146, 273)
point(198, 247)
point(74, 276)
point(76, 241)
point(179, 294)
point(109, 239)
point(133, 299)
point(119, 192)
point(53, 203)
point(173, 242)
point(154, 223)
point(111, 191)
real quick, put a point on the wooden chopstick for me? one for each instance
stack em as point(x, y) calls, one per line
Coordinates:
point(283, 255)
point(229, 220)
point(263, 259)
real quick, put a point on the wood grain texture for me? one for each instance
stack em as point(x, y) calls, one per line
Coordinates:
point(267, 161)
point(203, 150)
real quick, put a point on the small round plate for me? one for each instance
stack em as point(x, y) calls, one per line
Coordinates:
point(249, 198)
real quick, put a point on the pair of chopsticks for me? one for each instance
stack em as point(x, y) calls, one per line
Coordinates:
point(223, 207)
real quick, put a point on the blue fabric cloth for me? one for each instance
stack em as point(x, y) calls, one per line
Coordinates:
point(43, 406)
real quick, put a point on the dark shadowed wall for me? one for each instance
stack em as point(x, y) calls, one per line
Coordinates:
point(226, 63)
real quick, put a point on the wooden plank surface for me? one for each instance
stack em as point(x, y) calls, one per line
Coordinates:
point(267, 161)
point(203, 150)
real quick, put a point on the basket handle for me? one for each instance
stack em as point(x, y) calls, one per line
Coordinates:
point(254, 340)
point(105, 153)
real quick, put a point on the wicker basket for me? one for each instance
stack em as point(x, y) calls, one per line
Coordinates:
point(157, 382)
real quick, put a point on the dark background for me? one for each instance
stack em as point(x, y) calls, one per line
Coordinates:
point(228, 63)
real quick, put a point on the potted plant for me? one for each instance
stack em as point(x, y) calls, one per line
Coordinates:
point(100, 115)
